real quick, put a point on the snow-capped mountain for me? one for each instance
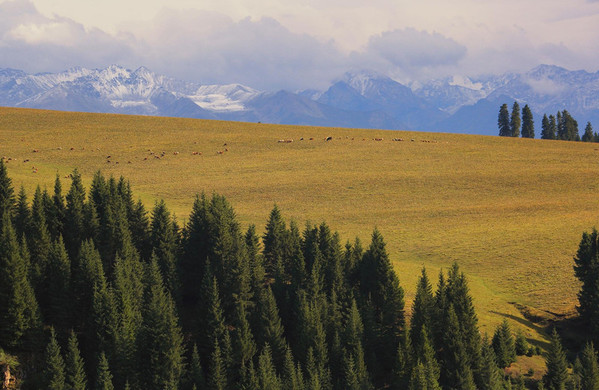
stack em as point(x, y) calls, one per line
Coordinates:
point(360, 99)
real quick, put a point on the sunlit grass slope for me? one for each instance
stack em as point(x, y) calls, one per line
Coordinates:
point(510, 211)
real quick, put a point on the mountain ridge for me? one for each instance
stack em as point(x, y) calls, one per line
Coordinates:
point(357, 99)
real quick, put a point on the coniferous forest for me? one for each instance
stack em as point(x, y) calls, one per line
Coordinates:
point(99, 293)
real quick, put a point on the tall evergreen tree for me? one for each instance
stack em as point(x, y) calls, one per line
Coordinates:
point(503, 345)
point(503, 121)
point(196, 378)
point(489, 372)
point(103, 375)
point(588, 135)
point(547, 130)
point(160, 342)
point(7, 197)
point(54, 370)
point(217, 380)
point(557, 367)
point(456, 372)
point(22, 216)
point(586, 269)
point(56, 217)
point(515, 120)
point(75, 370)
point(422, 309)
point(74, 215)
point(164, 243)
point(379, 283)
point(274, 240)
point(20, 316)
point(267, 375)
point(528, 125)
point(59, 287)
point(589, 368)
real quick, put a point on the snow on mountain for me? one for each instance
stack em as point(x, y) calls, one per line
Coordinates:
point(357, 99)
point(223, 98)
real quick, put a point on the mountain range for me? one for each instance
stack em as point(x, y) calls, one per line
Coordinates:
point(361, 99)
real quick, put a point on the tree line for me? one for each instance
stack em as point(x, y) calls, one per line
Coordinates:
point(98, 293)
point(561, 126)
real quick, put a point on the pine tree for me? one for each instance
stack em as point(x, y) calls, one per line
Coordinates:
point(196, 378)
point(274, 240)
point(59, 287)
point(271, 329)
point(589, 368)
point(7, 199)
point(160, 342)
point(74, 217)
point(56, 217)
point(557, 366)
point(521, 345)
point(267, 375)
point(503, 121)
point(586, 269)
point(245, 346)
point(503, 344)
point(548, 131)
point(20, 316)
point(422, 309)
point(418, 380)
point(379, 283)
point(515, 120)
point(164, 244)
point(22, 223)
point(489, 372)
point(588, 135)
point(528, 125)
point(103, 375)
point(217, 379)
point(54, 370)
point(456, 372)
point(75, 370)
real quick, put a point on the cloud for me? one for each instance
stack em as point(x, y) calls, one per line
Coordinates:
point(410, 48)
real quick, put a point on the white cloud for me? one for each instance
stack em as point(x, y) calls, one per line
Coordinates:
point(276, 44)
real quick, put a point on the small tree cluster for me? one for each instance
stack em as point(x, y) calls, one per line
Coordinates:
point(514, 124)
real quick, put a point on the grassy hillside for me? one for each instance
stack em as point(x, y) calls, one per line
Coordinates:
point(510, 211)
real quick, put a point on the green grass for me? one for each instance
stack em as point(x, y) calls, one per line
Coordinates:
point(509, 211)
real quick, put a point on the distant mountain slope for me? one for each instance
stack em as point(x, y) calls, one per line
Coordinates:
point(359, 99)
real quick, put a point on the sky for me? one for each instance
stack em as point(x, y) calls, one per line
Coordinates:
point(300, 44)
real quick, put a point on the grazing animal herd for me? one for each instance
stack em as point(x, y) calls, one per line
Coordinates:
point(162, 154)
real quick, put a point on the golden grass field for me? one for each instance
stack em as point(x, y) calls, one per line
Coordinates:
point(510, 211)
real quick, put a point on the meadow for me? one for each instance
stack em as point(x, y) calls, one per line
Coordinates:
point(510, 211)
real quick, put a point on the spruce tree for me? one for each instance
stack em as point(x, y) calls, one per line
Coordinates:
point(267, 375)
point(20, 316)
point(56, 217)
point(59, 287)
point(422, 309)
point(75, 370)
point(528, 125)
point(503, 344)
point(546, 129)
point(217, 380)
point(196, 377)
point(586, 269)
point(379, 283)
point(271, 329)
point(164, 243)
point(103, 375)
point(54, 369)
point(557, 367)
point(7, 198)
point(160, 341)
point(22, 216)
point(74, 215)
point(274, 240)
point(503, 121)
point(588, 135)
point(589, 372)
point(515, 120)
point(489, 372)
point(456, 372)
